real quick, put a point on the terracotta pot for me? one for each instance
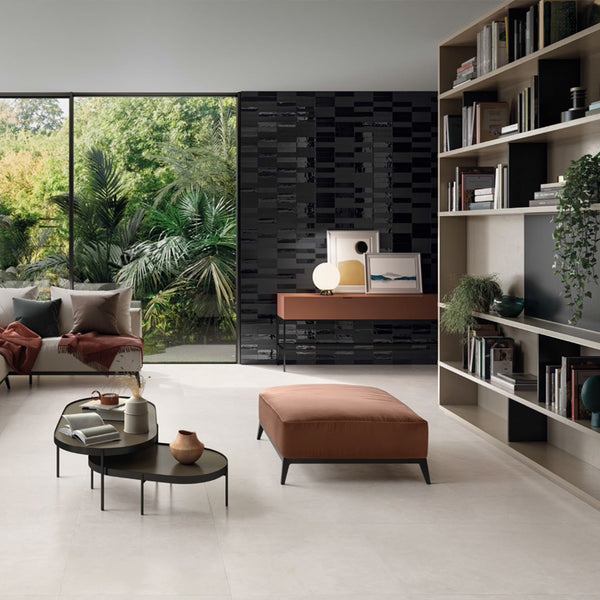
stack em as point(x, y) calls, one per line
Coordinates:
point(186, 447)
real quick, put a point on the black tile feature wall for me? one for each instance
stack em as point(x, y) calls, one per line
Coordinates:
point(313, 161)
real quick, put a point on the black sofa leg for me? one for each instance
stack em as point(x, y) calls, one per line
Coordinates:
point(30, 380)
point(260, 430)
point(7, 382)
point(425, 470)
point(285, 465)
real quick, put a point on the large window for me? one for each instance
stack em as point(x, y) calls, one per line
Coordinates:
point(153, 207)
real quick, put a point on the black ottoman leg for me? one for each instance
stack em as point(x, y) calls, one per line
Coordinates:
point(285, 465)
point(260, 430)
point(425, 469)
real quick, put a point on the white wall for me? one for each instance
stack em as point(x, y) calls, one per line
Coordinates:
point(225, 45)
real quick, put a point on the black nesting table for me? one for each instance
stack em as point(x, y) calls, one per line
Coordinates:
point(156, 463)
point(139, 456)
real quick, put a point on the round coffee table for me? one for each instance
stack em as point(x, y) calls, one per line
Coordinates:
point(156, 463)
point(128, 443)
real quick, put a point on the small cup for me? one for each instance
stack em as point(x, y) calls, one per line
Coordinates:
point(110, 398)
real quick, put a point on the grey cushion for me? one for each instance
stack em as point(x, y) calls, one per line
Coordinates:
point(92, 312)
point(65, 319)
point(38, 315)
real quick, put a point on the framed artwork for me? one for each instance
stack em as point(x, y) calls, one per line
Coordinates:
point(393, 273)
point(347, 250)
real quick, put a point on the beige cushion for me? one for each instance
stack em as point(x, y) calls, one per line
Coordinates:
point(7, 314)
point(65, 317)
point(95, 313)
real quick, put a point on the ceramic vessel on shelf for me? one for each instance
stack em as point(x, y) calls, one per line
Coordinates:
point(508, 306)
point(136, 415)
point(590, 396)
point(186, 447)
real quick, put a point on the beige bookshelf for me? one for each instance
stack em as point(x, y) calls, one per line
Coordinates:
point(493, 241)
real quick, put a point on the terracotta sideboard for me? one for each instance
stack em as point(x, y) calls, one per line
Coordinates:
point(315, 307)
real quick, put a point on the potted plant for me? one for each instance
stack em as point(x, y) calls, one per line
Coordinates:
point(576, 234)
point(473, 293)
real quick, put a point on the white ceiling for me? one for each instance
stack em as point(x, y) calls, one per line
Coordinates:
point(225, 45)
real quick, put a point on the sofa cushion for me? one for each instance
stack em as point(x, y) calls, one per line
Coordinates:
point(50, 361)
point(6, 301)
point(65, 318)
point(38, 315)
point(92, 312)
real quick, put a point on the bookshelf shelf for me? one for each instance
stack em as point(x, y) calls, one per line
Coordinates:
point(582, 42)
point(585, 127)
point(502, 241)
point(575, 475)
point(528, 399)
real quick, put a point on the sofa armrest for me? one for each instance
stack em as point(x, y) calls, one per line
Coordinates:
point(136, 321)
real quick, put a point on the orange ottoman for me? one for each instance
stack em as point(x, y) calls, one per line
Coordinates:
point(331, 423)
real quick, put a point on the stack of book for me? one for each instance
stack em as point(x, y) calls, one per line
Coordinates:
point(491, 47)
point(483, 198)
point(593, 108)
point(488, 351)
point(528, 106)
point(461, 191)
point(522, 31)
point(483, 121)
point(565, 382)
point(466, 71)
point(548, 194)
point(515, 382)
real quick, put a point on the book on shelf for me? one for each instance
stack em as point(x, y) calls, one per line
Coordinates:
point(579, 375)
point(490, 117)
point(551, 396)
point(498, 50)
point(544, 202)
point(474, 331)
point(484, 197)
point(515, 381)
point(480, 205)
point(567, 364)
point(557, 20)
point(528, 106)
point(594, 105)
point(508, 129)
point(113, 412)
point(452, 132)
point(89, 428)
point(481, 350)
point(553, 185)
point(516, 33)
point(546, 194)
point(483, 192)
point(592, 112)
point(499, 356)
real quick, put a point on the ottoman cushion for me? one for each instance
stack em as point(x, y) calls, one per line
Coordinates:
point(334, 421)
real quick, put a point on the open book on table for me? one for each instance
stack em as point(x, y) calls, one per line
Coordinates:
point(89, 429)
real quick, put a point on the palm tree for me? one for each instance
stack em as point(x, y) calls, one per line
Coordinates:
point(189, 266)
point(102, 232)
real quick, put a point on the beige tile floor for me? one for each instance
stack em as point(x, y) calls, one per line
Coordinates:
point(487, 528)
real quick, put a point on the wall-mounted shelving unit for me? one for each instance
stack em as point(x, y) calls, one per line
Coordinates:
point(494, 241)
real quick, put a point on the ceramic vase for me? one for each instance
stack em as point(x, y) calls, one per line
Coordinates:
point(186, 447)
point(136, 415)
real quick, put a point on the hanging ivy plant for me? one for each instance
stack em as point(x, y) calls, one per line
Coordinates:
point(577, 232)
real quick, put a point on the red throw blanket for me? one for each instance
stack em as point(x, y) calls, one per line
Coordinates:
point(19, 346)
point(98, 350)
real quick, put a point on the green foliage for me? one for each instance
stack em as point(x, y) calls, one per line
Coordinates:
point(36, 115)
point(102, 231)
point(576, 234)
point(187, 267)
point(473, 293)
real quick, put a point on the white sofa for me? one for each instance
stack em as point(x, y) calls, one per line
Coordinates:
point(50, 362)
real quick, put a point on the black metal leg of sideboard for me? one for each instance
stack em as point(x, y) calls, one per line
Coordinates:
point(284, 343)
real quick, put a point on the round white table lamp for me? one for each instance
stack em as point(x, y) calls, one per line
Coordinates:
point(326, 278)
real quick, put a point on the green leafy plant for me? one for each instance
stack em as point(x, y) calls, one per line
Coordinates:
point(577, 233)
point(473, 293)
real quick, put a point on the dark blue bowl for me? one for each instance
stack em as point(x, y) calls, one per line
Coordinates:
point(508, 306)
